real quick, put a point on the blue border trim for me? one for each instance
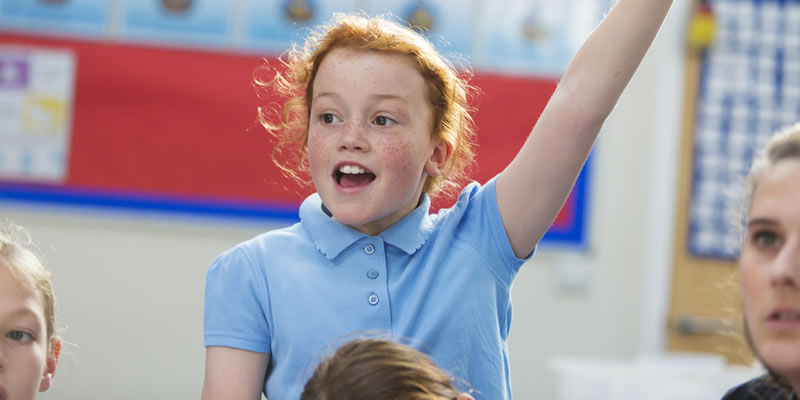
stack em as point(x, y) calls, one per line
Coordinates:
point(145, 202)
point(573, 236)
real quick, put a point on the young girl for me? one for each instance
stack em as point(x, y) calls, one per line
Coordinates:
point(769, 269)
point(379, 118)
point(29, 348)
point(368, 369)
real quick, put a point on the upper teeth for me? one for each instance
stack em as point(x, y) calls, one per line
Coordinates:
point(352, 169)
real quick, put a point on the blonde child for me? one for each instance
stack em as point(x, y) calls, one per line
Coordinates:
point(370, 368)
point(29, 348)
point(380, 120)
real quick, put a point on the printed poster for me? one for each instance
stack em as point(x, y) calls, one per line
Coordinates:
point(272, 25)
point(83, 17)
point(448, 24)
point(536, 37)
point(36, 98)
point(199, 22)
point(748, 90)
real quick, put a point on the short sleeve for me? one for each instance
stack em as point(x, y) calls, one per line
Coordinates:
point(482, 229)
point(236, 304)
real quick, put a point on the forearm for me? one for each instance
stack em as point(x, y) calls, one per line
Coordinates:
point(532, 189)
point(234, 374)
point(602, 67)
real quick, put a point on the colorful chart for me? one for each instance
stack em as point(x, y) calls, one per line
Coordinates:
point(749, 89)
point(36, 97)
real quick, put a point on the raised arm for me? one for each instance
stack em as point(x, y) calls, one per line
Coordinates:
point(233, 374)
point(534, 186)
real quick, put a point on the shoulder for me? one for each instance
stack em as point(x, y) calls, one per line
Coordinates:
point(274, 239)
point(760, 388)
point(473, 196)
point(273, 243)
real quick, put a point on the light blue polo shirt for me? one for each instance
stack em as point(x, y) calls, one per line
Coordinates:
point(440, 282)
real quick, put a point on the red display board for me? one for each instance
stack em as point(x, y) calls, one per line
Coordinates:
point(164, 126)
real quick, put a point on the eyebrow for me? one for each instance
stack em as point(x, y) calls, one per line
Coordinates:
point(31, 320)
point(389, 97)
point(376, 96)
point(762, 221)
point(23, 312)
point(324, 94)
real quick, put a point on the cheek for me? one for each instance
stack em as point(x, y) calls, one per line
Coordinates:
point(26, 367)
point(401, 158)
point(753, 288)
point(316, 155)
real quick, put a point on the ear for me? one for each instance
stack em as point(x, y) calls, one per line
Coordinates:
point(442, 151)
point(464, 396)
point(50, 364)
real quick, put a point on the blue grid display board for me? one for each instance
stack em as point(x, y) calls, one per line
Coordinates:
point(750, 87)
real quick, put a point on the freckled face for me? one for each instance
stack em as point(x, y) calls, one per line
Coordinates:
point(23, 345)
point(370, 142)
point(770, 269)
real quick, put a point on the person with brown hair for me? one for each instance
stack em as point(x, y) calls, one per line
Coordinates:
point(369, 369)
point(769, 269)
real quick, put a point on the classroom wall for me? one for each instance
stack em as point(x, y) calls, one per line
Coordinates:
point(130, 286)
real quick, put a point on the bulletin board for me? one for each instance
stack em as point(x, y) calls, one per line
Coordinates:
point(172, 127)
point(748, 90)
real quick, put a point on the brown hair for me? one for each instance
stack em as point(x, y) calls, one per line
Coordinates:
point(18, 255)
point(447, 92)
point(369, 369)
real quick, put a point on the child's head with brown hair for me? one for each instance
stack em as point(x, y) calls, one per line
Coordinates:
point(769, 263)
point(368, 369)
point(29, 348)
point(442, 93)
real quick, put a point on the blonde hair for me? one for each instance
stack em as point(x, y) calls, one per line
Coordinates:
point(367, 369)
point(784, 145)
point(18, 255)
point(447, 92)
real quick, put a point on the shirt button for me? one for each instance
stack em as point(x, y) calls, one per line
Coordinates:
point(369, 249)
point(372, 274)
point(373, 299)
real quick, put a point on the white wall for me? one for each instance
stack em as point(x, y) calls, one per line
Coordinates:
point(130, 287)
point(130, 299)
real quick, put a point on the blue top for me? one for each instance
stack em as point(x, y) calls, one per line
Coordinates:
point(442, 280)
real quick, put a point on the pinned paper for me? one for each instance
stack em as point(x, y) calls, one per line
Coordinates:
point(36, 99)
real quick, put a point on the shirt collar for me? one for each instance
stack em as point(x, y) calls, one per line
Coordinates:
point(331, 237)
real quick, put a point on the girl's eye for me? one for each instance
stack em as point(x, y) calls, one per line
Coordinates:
point(384, 121)
point(766, 239)
point(20, 336)
point(328, 118)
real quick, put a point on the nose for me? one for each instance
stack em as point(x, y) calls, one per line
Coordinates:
point(353, 136)
point(786, 271)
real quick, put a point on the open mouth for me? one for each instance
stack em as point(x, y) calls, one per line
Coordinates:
point(783, 315)
point(3, 395)
point(350, 176)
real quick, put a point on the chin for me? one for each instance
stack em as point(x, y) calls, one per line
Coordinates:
point(351, 217)
point(783, 358)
